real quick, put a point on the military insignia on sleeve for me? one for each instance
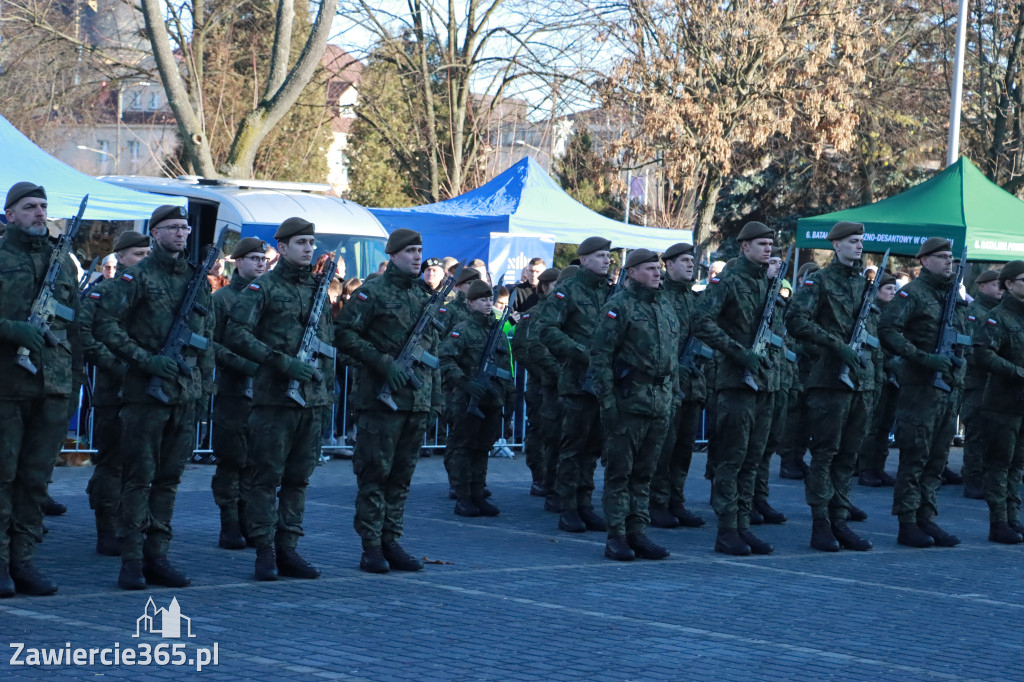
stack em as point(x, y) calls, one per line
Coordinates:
point(559, 295)
point(714, 280)
point(992, 322)
point(94, 294)
point(127, 277)
point(612, 314)
point(455, 335)
point(362, 296)
point(904, 294)
point(971, 318)
point(808, 282)
point(442, 310)
point(254, 286)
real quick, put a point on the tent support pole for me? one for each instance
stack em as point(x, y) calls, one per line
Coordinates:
point(953, 148)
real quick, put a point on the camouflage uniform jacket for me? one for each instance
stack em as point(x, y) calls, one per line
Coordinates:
point(541, 362)
point(978, 312)
point(24, 260)
point(680, 296)
point(453, 312)
point(999, 350)
point(268, 321)
point(461, 353)
point(233, 370)
point(110, 368)
point(567, 322)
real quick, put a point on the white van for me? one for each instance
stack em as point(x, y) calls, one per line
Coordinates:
point(255, 208)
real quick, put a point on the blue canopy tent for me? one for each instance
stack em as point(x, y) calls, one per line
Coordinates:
point(517, 215)
point(65, 187)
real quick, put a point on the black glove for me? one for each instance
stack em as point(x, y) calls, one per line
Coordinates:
point(161, 366)
point(24, 335)
point(474, 390)
point(850, 357)
point(936, 362)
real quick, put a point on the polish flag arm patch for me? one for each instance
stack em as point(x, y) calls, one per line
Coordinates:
point(808, 282)
point(714, 280)
point(971, 318)
point(254, 286)
point(559, 295)
point(992, 322)
point(612, 314)
point(94, 294)
point(127, 277)
point(455, 335)
point(362, 296)
point(904, 294)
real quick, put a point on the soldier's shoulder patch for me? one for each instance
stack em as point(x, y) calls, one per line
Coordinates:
point(456, 335)
point(612, 314)
point(94, 294)
point(559, 295)
point(525, 316)
point(254, 286)
point(904, 294)
point(442, 310)
point(362, 296)
point(127, 277)
point(971, 318)
point(714, 280)
point(992, 322)
point(808, 282)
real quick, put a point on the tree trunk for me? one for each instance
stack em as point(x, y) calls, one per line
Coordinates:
point(706, 213)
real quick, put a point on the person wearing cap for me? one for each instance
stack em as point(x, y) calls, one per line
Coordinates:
point(470, 437)
point(998, 350)
point(925, 414)
point(728, 316)
point(372, 328)
point(34, 406)
point(567, 327)
point(668, 497)
point(989, 292)
point(104, 487)
point(231, 410)
point(434, 274)
point(874, 449)
point(823, 316)
point(266, 328)
point(133, 319)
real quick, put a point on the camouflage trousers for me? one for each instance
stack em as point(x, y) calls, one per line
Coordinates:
point(104, 487)
point(549, 427)
point(231, 447)
point(795, 437)
point(284, 447)
point(743, 421)
point(667, 486)
point(633, 447)
point(925, 422)
point(386, 453)
point(874, 451)
point(156, 442)
point(1003, 464)
point(579, 448)
point(838, 420)
point(533, 447)
point(780, 413)
point(31, 433)
point(470, 441)
point(976, 438)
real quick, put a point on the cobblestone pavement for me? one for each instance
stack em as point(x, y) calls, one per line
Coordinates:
point(512, 598)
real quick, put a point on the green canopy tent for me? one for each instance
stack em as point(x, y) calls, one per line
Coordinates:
point(959, 204)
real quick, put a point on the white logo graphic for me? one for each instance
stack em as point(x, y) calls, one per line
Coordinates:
point(518, 263)
point(169, 621)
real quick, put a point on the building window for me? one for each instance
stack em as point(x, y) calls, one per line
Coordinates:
point(154, 101)
point(133, 151)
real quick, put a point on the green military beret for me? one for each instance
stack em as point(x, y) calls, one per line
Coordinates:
point(933, 245)
point(402, 238)
point(754, 230)
point(130, 239)
point(987, 276)
point(549, 275)
point(844, 229)
point(1011, 270)
point(567, 272)
point(887, 279)
point(478, 289)
point(294, 227)
point(593, 244)
point(467, 275)
point(20, 190)
point(167, 212)
point(248, 245)
point(676, 250)
point(807, 269)
point(639, 257)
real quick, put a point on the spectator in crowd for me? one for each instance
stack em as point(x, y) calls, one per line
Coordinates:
point(525, 291)
point(433, 273)
point(109, 266)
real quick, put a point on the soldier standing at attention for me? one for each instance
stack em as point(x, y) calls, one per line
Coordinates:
point(999, 351)
point(668, 499)
point(909, 327)
point(266, 327)
point(568, 322)
point(470, 438)
point(133, 318)
point(634, 364)
point(795, 440)
point(235, 394)
point(33, 407)
point(372, 328)
point(104, 487)
point(729, 314)
point(823, 315)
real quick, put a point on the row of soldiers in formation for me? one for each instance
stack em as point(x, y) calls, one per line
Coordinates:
point(616, 376)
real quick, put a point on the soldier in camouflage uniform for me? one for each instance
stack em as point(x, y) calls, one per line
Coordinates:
point(634, 366)
point(567, 325)
point(267, 326)
point(823, 314)
point(133, 318)
point(470, 438)
point(33, 406)
point(728, 316)
point(372, 328)
point(668, 498)
point(795, 438)
point(875, 447)
point(999, 349)
point(104, 487)
point(231, 409)
point(925, 415)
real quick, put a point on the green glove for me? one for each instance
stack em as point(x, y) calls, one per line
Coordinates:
point(24, 335)
point(936, 362)
point(748, 359)
point(474, 390)
point(248, 368)
point(396, 377)
point(298, 370)
point(850, 357)
point(161, 366)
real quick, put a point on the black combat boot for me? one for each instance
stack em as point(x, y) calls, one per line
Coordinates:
point(792, 471)
point(973, 491)
point(729, 541)
point(755, 517)
point(53, 508)
point(591, 520)
point(618, 549)
point(1000, 531)
point(770, 514)
point(847, 539)
point(485, 506)
point(466, 507)
point(756, 544)
point(1016, 525)
point(911, 535)
point(645, 548)
point(869, 479)
point(857, 514)
point(452, 495)
point(399, 559)
point(131, 577)
point(571, 522)
point(290, 564)
point(28, 580)
point(941, 537)
point(6, 584)
point(373, 561)
point(266, 564)
point(159, 571)
point(950, 477)
point(537, 489)
point(887, 480)
point(663, 518)
point(553, 504)
point(686, 518)
point(231, 535)
point(822, 538)
point(107, 542)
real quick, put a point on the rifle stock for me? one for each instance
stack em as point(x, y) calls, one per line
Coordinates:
point(311, 348)
point(860, 337)
point(949, 337)
point(765, 336)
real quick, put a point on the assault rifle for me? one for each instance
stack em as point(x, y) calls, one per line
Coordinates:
point(181, 335)
point(694, 348)
point(45, 308)
point(413, 353)
point(311, 349)
point(83, 283)
point(765, 336)
point(860, 337)
point(949, 337)
point(488, 368)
